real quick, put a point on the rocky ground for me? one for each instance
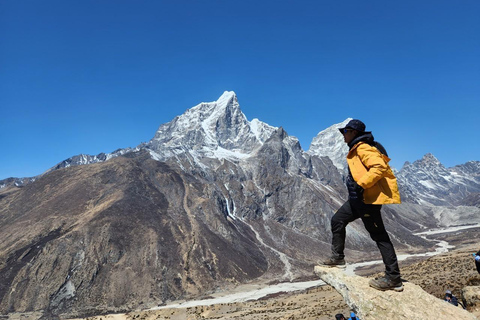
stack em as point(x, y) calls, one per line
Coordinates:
point(453, 271)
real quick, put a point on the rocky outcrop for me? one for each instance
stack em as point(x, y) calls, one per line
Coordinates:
point(471, 296)
point(371, 304)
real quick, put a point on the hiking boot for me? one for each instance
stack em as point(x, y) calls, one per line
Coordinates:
point(333, 262)
point(383, 283)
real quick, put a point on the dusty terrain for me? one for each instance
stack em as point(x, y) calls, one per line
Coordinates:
point(452, 270)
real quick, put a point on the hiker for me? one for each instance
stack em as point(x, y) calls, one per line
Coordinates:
point(339, 316)
point(450, 298)
point(353, 316)
point(477, 260)
point(370, 183)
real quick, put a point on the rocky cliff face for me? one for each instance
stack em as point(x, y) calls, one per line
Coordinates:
point(329, 143)
point(213, 199)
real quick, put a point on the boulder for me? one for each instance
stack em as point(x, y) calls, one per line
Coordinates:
point(471, 295)
point(371, 304)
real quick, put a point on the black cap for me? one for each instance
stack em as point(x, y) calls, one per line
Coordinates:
point(355, 125)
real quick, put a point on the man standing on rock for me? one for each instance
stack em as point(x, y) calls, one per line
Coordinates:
point(370, 183)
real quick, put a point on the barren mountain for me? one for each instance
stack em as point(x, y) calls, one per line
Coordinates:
point(116, 235)
point(453, 271)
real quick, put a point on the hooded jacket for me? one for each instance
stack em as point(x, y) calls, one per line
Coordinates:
point(370, 170)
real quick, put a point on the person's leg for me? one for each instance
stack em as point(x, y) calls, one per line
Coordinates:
point(372, 219)
point(339, 222)
point(477, 263)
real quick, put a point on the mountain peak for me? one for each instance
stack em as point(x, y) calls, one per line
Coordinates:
point(430, 157)
point(211, 129)
point(330, 143)
point(428, 161)
point(227, 98)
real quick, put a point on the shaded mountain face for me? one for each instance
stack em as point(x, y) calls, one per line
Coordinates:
point(212, 200)
point(118, 234)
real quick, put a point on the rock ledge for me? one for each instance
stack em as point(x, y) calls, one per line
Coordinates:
point(371, 304)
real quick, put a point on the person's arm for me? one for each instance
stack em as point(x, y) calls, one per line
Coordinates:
point(375, 164)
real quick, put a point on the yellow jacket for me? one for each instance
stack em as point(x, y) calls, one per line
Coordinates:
point(371, 171)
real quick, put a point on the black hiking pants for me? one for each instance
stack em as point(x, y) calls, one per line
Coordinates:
point(372, 220)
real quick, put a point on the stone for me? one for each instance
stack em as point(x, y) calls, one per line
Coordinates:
point(471, 295)
point(372, 304)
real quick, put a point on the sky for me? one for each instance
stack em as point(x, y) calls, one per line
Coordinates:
point(84, 76)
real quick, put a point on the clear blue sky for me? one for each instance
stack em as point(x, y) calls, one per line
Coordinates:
point(83, 76)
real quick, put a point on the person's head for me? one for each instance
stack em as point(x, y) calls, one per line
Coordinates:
point(339, 316)
point(448, 295)
point(352, 129)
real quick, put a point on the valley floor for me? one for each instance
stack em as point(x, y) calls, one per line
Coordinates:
point(451, 270)
point(448, 271)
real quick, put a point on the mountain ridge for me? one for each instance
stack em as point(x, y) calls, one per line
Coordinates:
point(327, 142)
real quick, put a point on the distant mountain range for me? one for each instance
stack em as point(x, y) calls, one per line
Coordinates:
point(211, 201)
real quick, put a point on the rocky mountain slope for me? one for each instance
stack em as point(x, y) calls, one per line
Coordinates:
point(212, 200)
point(453, 271)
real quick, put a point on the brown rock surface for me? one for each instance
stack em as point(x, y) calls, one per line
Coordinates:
point(372, 304)
point(116, 236)
point(432, 274)
point(471, 296)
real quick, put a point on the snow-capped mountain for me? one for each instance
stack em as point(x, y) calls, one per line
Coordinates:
point(427, 181)
point(330, 143)
point(17, 182)
point(83, 159)
point(216, 130)
point(219, 130)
